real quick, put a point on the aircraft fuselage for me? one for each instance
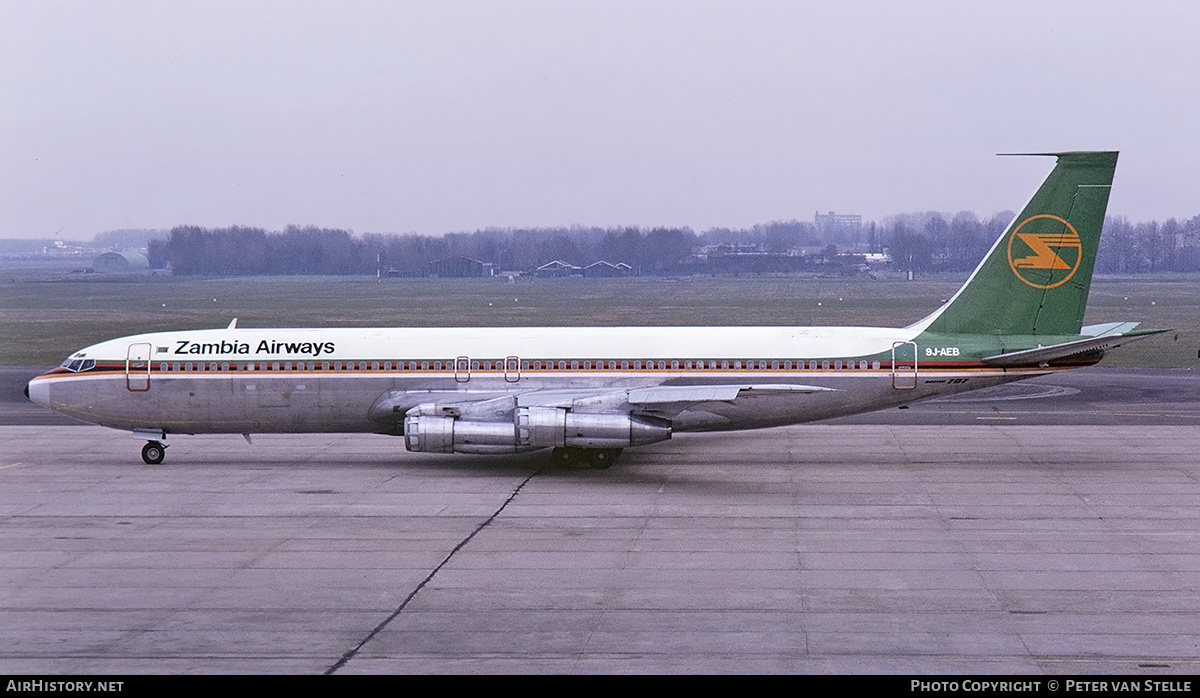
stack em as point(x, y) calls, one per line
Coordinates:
point(330, 380)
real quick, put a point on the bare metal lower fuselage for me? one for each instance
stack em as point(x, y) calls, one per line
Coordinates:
point(302, 402)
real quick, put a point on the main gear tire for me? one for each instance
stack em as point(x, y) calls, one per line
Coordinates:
point(154, 452)
point(603, 458)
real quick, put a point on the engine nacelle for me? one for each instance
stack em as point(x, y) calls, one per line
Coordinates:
point(532, 428)
point(551, 427)
point(431, 434)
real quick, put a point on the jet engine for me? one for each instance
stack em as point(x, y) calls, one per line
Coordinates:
point(532, 428)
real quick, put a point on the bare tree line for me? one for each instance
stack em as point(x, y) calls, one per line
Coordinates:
point(925, 242)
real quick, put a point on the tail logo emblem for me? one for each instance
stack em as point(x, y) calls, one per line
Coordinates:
point(1046, 255)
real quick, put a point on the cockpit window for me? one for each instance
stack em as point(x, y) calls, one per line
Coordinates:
point(79, 364)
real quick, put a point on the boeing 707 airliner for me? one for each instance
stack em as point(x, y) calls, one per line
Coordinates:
point(588, 392)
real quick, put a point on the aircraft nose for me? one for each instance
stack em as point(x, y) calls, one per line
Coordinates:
point(38, 390)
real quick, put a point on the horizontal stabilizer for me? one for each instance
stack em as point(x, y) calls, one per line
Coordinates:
point(1108, 336)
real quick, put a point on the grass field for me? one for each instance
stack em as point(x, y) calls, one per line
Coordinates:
point(44, 317)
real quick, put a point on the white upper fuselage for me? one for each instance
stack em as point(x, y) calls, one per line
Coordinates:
point(544, 343)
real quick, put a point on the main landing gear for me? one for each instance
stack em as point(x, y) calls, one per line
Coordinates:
point(154, 452)
point(598, 458)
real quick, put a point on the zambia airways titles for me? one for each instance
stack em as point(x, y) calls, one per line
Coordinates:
point(188, 347)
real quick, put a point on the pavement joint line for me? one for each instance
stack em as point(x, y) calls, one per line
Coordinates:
point(395, 614)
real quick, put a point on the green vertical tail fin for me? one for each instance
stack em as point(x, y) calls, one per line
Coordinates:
point(1035, 279)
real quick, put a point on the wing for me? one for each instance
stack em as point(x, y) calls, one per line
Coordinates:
point(395, 404)
point(509, 422)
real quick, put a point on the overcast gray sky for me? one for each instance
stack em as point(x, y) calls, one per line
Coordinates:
point(434, 117)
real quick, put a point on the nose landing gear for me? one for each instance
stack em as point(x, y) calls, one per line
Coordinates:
point(154, 452)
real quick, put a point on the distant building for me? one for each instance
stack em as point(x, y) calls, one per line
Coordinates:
point(458, 267)
point(837, 222)
point(118, 262)
point(557, 268)
point(607, 269)
point(708, 251)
